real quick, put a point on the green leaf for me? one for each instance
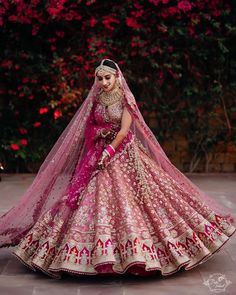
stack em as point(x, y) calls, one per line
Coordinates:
point(222, 47)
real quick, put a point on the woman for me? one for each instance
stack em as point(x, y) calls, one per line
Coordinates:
point(107, 200)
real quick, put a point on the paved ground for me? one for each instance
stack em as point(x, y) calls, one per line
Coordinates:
point(15, 278)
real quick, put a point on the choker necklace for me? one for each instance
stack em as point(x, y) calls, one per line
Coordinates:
point(111, 97)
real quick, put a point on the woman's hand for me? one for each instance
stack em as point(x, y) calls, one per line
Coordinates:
point(103, 161)
point(104, 132)
point(107, 133)
point(111, 134)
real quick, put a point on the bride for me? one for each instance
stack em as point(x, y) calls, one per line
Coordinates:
point(107, 200)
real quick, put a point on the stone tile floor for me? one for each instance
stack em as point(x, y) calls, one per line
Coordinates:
point(15, 278)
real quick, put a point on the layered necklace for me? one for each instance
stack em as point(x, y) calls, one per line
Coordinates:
point(111, 97)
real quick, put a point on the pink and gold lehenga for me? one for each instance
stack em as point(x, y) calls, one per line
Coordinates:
point(132, 216)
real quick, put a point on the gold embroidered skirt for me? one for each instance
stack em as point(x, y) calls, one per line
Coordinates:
point(133, 218)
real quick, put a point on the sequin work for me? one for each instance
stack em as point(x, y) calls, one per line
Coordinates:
point(133, 217)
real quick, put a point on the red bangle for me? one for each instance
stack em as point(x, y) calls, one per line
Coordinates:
point(110, 150)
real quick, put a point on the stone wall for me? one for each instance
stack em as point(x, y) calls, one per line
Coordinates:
point(223, 159)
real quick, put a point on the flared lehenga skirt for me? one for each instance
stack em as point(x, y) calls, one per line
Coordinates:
point(133, 218)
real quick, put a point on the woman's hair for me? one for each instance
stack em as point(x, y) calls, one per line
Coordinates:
point(110, 64)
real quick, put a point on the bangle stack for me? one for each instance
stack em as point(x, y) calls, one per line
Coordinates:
point(110, 151)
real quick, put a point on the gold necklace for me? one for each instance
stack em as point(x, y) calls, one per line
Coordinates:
point(109, 98)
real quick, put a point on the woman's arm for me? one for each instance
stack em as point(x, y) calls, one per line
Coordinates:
point(125, 125)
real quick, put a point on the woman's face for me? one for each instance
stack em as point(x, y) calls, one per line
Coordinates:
point(106, 80)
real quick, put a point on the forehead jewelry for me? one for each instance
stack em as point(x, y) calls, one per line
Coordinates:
point(103, 68)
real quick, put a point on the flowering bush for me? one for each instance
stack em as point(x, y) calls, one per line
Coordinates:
point(176, 55)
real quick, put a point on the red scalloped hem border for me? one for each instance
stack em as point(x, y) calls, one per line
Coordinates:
point(135, 268)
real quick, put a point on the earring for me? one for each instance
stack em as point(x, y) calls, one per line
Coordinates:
point(118, 84)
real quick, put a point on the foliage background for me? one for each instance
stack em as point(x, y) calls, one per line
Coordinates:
point(177, 56)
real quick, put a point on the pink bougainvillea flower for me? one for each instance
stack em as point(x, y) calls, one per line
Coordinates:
point(69, 16)
point(87, 66)
point(52, 40)
point(90, 2)
point(35, 2)
point(65, 72)
point(45, 87)
point(137, 42)
point(12, 18)
point(24, 141)
point(23, 130)
point(108, 21)
point(7, 63)
point(184, 5)
point(137, 5)
point(155, 49)
point(137, 13)
point(60, 34)
point(92, 22)
point(35, 30)
point(132, 23)
point(62, 85)
point(72, 15)
point(165, 13)
point(57, 114)
point(121, 62)
point(43, 110)
point(77, 17)
point(161, 75)
point(53, 48)
point(216, 13)
point(53, 11)
point(37, 124)
point(2, 10)
point(14, 147)
point(172, 10)
point(155, 2)
point(208, 32)
point(25, 80)
point(101, 50)
point(72, 81)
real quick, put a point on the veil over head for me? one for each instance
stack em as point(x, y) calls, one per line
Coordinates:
point(55, 173)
